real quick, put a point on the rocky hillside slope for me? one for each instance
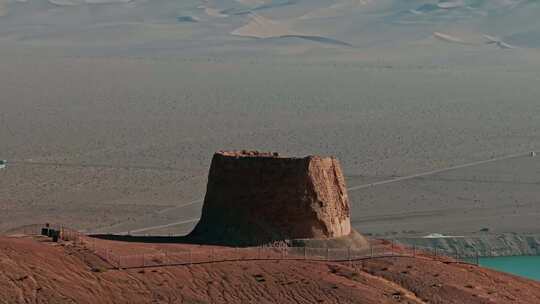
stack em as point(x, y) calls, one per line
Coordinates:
point(39, 271)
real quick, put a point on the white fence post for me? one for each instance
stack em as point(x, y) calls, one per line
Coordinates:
point(327, 253)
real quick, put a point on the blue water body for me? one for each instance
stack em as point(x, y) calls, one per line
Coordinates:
point(524, 266)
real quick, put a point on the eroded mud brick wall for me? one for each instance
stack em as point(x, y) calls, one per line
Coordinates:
point(257, 197)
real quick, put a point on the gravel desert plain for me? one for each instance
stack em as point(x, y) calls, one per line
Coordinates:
point(111, 110)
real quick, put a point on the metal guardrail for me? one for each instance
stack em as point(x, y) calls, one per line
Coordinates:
point(455, 255)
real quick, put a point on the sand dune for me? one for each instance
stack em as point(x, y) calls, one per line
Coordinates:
point(261, 27)
point(64, 2)
point(212, 12)
point(320, 39)
point(275, 4)
point(498, 42)
point(336, 9)
point(251, 2)
point(473, 40)
point(79, 2)
point(451, 4)
point(106, 1)
point(448, 38)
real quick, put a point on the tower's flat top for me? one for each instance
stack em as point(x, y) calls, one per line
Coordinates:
point(246, 153)
point(259, 154)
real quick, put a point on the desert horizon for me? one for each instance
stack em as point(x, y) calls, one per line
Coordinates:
point(111, 112)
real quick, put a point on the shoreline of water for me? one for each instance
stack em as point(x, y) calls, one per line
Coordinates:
point(485, 245)
point(513, 253)
point(527, 266)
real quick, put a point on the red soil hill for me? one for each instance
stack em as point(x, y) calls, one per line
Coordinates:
point(39, 271)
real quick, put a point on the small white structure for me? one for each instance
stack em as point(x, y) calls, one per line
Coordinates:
point(533, 154)
point(434, 236)
point(3, 164)
point(441, 236)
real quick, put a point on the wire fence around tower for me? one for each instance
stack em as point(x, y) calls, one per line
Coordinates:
point(179, 256)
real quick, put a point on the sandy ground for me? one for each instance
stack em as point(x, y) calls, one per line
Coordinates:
point(109, 119)
point(212, 12)
point(60, 273)
point(104, 150)
point(501, 196)
point(261, 27)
